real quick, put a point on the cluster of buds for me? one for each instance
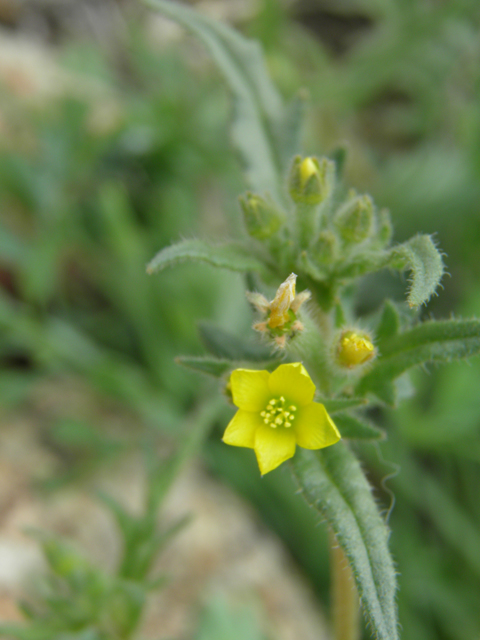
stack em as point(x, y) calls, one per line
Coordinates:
point(279, 317)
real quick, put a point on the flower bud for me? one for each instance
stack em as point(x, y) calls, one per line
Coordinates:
point(324, 249)
point(355, 220)
point(311, 180)
point(354, 349)
point(261, 217)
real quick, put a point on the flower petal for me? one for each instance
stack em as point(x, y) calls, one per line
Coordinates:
point(293, 382)
point(250, 390)
point(273, 446)
point(240, 431)
point(314, 429)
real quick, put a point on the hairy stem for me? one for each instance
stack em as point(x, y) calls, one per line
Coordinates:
point(345, 600)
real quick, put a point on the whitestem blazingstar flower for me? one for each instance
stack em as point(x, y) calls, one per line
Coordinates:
point(279, 317)
point(276, 412)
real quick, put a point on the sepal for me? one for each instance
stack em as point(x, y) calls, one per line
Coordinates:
point(311, 180)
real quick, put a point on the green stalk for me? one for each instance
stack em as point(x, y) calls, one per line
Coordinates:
point(305, 215)
point(344, 595)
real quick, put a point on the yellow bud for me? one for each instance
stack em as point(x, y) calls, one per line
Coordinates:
point(354, 349)
point(311, 180)
point(307, 168)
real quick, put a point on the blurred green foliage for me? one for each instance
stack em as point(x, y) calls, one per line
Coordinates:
point(87, 205)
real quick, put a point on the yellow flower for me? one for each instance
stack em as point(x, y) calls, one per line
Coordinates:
point(275, 413)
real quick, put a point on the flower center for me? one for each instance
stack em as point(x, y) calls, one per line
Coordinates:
point(278, 414)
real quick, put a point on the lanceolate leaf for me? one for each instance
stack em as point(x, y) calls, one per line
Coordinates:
point(354, 428)
point(292, 131)
point(208, 365)
point(389, 324)
point(421, 256)
point(227, 256)
point(434, 341)
point(259, 111)
point(342, 404)
point(333, 483)
point(223, 344)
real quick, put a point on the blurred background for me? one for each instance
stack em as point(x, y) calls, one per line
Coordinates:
point(114, 143)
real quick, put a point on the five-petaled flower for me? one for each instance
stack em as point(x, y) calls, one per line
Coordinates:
point(275, 413)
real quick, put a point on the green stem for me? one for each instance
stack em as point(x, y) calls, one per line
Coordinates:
point(344, 595)
point(305, 222)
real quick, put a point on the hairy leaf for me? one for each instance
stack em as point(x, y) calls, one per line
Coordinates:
point(223, 344)
point(365, 263)
point(292, 131)
point(422, 257)
point(230, 256)
point(333, 483)
point(433, 341)
point(259, 112)
point(354, 428)
point(389, 324)
point(208, 365)
point(342, 404)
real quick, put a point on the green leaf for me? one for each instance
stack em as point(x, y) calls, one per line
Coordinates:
point(355, 429)
point(342, 404)
point(292, 131)
point(12, 248)
point(125, 521)
point(22, 633)
point(422, 257)
point(259, 112)
point(162, 475)
point(339, 156)
point(226, 256)
point(223, 344)
point(220, 621)
point(124, 607)
point(146, 553)
point(211, 366)
point(433, 341)
point(333, 483)
point(362, 264)
point(389, 324)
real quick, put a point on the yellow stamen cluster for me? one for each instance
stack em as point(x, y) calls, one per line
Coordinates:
point(276, 414)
